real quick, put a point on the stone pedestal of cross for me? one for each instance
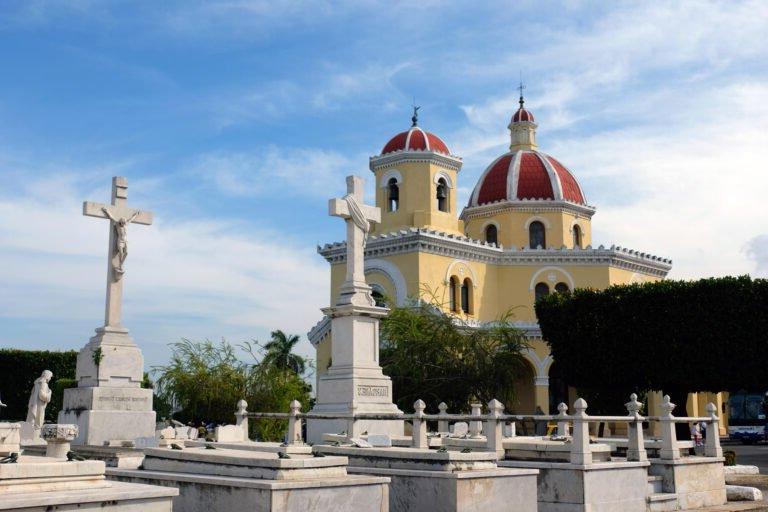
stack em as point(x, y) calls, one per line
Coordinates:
point(354, 383)
point(108, 403)
point(358, 217)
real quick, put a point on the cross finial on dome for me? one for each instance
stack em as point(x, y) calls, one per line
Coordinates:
point(415, 117)
point(520, 88)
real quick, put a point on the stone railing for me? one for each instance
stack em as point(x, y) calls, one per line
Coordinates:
point(491, 425)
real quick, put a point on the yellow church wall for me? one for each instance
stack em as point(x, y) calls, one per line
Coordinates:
point(323, 356)
point(512, 227)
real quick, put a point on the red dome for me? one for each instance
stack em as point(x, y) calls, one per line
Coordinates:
point(522, 115)
point(415, 139)
point(526, 174)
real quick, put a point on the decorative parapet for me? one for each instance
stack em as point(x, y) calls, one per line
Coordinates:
point(414, 155)
point(320, 331)
point(525, 205)
point(461, 247)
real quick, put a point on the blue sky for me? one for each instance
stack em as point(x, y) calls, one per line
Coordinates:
point(235, 122)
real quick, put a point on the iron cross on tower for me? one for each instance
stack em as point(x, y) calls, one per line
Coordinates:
point(119, 216)
point(358, 217)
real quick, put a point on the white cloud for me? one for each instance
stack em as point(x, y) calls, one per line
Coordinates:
point(291, 172)
point(757, 251)
point(184, 278)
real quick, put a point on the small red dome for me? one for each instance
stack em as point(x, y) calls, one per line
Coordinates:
point(522, 115)
point(526, 174)
point(415, 139)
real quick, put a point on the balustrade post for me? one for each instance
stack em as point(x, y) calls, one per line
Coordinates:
point(562, 420)
point(476, 427)
point(669, 449)
point(712, 446)
point(581, 453)
point(241, 418)
point(419, 435)
point(443, 425)
point(294, 424)
point(353, 427)
point(494, 427)
point(636, 449)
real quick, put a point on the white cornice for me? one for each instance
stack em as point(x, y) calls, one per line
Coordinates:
point(460, 247)
point(414, 155)
point(525, 205)
point(322, 330)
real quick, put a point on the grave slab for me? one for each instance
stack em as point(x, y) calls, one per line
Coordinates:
point(237, 479)
point(443, 481)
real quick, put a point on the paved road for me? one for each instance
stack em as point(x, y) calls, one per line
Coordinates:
point(752, 454)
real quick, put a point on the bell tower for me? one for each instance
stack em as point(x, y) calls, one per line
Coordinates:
point(416, 178)
point(522, 128)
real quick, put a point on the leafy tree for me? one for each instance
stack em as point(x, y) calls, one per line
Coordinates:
point(204, 381)
point(438, 357)
point(675, 336)
point(279, 352)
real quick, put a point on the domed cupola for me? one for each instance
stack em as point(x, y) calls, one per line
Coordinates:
point(415, 139)
point(524, 173)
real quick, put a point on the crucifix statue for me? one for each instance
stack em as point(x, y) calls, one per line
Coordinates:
point(358, 217)
point(119, 216)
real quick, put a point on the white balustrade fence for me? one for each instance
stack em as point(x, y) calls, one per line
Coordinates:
point(575, 426)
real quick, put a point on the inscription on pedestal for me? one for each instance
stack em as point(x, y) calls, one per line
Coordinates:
point(372, 391)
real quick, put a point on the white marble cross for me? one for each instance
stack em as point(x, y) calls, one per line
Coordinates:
point(119, 216)
point(358, 217)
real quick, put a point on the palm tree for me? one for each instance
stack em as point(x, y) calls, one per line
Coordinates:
point(279, 352)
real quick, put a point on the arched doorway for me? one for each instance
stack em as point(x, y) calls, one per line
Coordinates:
point(558, 389)
point(525, 394)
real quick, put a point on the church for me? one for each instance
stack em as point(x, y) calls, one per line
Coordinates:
point(525, 232)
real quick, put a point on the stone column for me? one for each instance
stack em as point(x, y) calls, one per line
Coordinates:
point(669, 449)
point(241, 418)
point(712, 446)
point(443, 425)
point(562, 420)
point(580, 449)
point(494, 427)
point(58, 437)
point(636, 449)
point(294, 424)
point(419, 439)
point(476, 427)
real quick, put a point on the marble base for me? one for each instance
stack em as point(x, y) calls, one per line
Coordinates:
point(119, 497)
point(105, 414)
point(463, 491)
point(603, 486)
point(697, 481)
point(223, 479)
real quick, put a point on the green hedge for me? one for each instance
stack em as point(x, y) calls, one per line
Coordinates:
point(678, 336)
point(18, 371)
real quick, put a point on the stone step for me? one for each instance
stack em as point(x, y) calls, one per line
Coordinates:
point(655, 484)
point(661, 502)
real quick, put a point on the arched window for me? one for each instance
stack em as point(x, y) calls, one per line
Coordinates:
point(562, 288)
point(442, 195)
point(378, 297)
point(541, 290)
point(536, 235)
point(576, 237)
point(454, 294)
point(492, 234)
point(466, 296)
point(393, 193)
